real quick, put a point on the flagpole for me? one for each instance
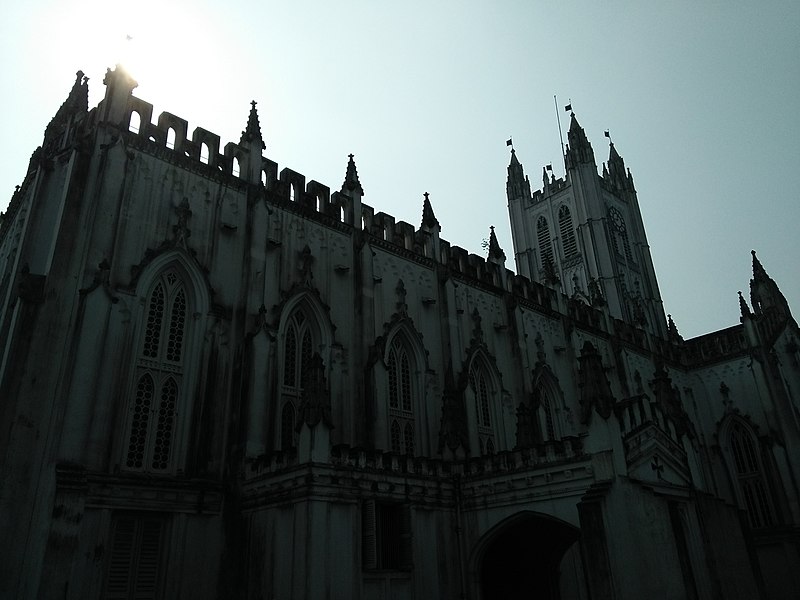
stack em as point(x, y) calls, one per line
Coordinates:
point(560, 135)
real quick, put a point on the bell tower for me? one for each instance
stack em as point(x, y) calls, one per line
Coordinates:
point(584, 234)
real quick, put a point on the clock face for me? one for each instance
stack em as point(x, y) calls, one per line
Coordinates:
point(616, 219)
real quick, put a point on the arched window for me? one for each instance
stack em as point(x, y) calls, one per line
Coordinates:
point(158, 381)
point(619, 234)
point(543, 235)
point(401, 397)
point(235, 167)
point(204, 153)
point(298, 347)
point(170, 138)
point(135, 122)
point(568, 242)
point(481, 391)
point(547, 419)
point(750, 476)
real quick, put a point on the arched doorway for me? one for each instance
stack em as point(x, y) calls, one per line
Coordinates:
point(520, 559)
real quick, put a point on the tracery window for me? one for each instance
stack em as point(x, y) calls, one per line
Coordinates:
point(545, 246)
point(548, 420)
point(401, 398)
point(480, 389)
point(568, 241)
point(619, 234)
point(750, 476)
point(158, 380)
point(298, 348)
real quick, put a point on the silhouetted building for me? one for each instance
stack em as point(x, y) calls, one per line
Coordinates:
point(221, 382)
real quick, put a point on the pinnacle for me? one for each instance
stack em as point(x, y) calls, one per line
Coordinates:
point(495, 251)
point(758, 269)
point(351, 182)
point(428, 218)
point(252, 132)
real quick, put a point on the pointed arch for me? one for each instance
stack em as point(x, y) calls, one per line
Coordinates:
point(171, 291)
point(568, 242)
point(545, 245)
point(482, 395)
point(405, 365)
point(746, 465)
point(303, 330)
point(549, 396)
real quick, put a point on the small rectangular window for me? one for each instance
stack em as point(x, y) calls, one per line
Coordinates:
point(386, 536)
point(135, 558)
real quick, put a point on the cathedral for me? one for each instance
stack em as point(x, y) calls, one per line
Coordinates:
point(220, 380)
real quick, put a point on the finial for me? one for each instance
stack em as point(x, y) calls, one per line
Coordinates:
point(252, 132)
point(495, 251)
point(428, 218)
point(743, 308)
point(351, 183)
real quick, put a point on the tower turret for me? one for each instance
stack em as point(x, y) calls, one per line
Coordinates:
point(119, 87)
point(517, 184)
point(579, 150)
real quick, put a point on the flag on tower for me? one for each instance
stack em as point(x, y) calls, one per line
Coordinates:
point(549, 167)
point(508, 142)
point(568, 107)
point(608, 135)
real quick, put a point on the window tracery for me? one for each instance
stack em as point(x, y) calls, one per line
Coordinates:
point(159, 376)
point(481, 391)
point(545, 246)
point(750, 476)
point(297, 351)
point(401, 398)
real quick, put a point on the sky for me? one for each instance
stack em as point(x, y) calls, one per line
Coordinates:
point(702, 100)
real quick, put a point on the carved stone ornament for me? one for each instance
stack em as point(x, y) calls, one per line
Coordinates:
point(595, 391)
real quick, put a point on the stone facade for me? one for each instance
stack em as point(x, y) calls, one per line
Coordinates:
point(221, 382)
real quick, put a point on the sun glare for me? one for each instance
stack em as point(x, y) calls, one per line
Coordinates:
point(163, 45)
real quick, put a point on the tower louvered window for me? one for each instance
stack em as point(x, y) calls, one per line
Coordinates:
point(134, 564)
point(297, 351)
point(568, 240)
point(548, 425)
point(155, 401)
point(385, 536)
point(401, 401)
point(750, 477)
point(545, 246)
point(480, 389)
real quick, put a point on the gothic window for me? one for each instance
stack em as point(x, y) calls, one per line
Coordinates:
point(385, 536)
point(155, 401)
point(480, 390)
point(548, 421)
point(134, 562)
point(750, 476)
point(297, 351)
point(568, 241)
point(619, 234)
point(401, 398)
point(545, 247)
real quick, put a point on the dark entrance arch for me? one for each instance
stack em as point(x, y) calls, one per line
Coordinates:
point(520, 559)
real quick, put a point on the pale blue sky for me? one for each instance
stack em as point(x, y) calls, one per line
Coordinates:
point(702, 100)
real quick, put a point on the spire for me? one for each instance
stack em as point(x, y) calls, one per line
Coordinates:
point(495, 251)
point(579, 150)
point(765, 296)
point(252, 132)
point(743, 308)
point(517, 184)
point(616, 168)
point(672, 330)
point(351, 183)
point(77, 103)
point(428, 218)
